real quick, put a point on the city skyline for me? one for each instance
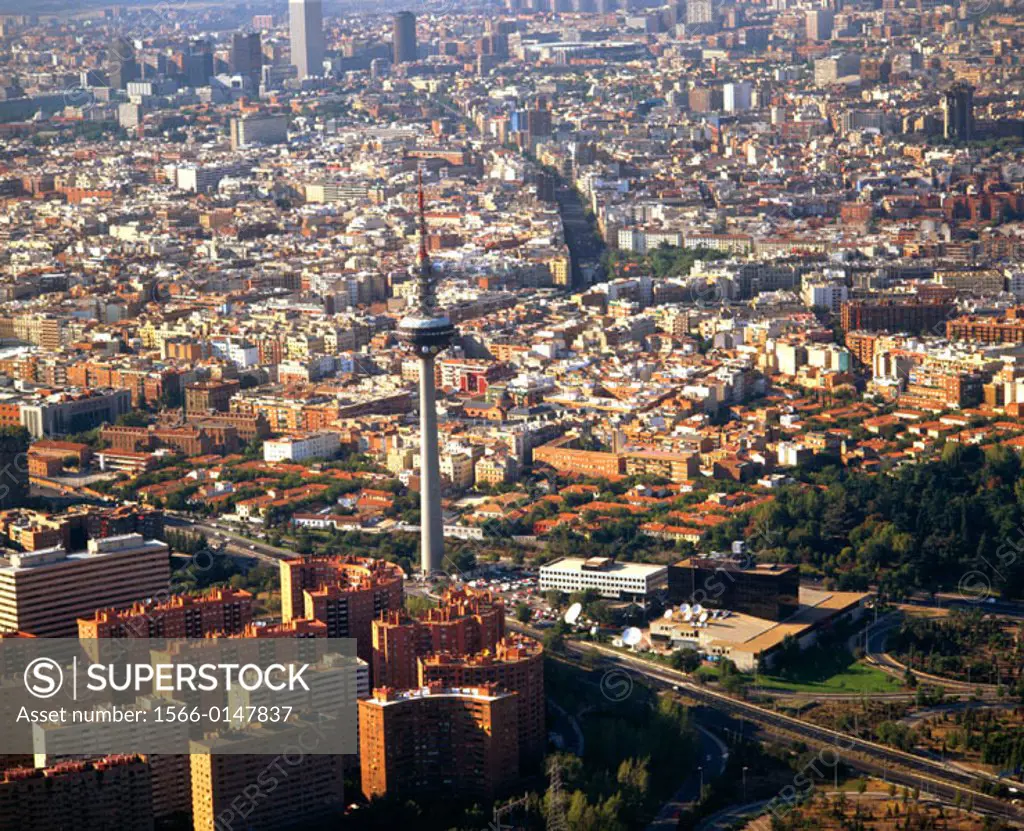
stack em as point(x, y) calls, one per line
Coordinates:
point(542, 414)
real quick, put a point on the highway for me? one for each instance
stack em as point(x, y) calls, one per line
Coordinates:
point(931, 777)
point(988, 606)
point(234, 542)
point(713, 756)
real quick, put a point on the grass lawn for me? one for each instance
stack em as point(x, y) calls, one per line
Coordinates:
point(834, 671)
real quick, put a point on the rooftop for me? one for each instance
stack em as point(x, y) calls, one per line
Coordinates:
point(604, 564)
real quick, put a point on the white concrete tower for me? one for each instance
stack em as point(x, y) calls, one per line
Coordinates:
point(426, 333)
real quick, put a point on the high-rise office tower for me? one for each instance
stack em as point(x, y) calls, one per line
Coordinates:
point(819, 25)
point(306, 27)
point(958, 112)
point(425, 333)
point(121, 65)
point(403, 38)
point(197, 65)
point(247, 55)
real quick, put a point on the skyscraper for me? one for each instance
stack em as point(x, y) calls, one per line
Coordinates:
point(197, 65)
point(247, 55)
point(306, 27)
point(958, 112)
point(403, 39)
point(425, 333)
point(121, 65)
point(819, 25)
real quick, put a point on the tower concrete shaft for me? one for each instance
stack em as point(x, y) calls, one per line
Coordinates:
point(431, 529)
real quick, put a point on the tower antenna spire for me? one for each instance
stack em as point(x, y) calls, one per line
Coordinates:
point(424, 278)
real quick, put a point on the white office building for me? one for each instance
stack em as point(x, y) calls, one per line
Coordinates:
point(610, 578)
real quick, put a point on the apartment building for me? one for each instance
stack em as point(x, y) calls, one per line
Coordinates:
point(1006, 329)
point(72, 411)
point(231, 788)
point(218, 611)
point(895, 315)
point(345, 593)
point(516, 665)
point(584, 462)
point(435, 742)
point(206, 396)
point(324, 445)
point(96, 795)
point(465, 621)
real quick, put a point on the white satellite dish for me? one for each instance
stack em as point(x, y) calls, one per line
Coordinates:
point(688, 615)
point(684, 608)
point(593, 631)
point(697, 609)
point(668, 614)
point(573, 613)
point(632, 636)
point(703, 617)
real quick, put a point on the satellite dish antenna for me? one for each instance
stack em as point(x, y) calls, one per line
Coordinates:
point(593, 630)
point(668, 614)
point(688, 615)
point(573, 613)
point(697, 609)
point(632, 636)
point(703, 618)
point(684, 608)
